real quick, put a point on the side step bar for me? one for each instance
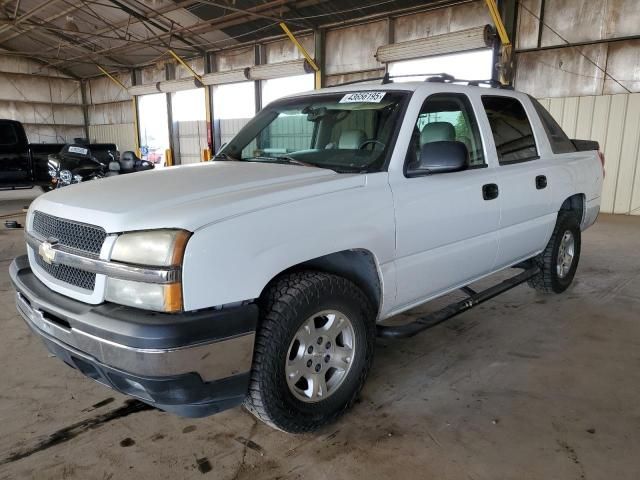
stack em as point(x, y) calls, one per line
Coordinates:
point(474, 298)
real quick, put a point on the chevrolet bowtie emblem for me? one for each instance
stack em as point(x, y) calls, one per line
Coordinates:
point(46, 251)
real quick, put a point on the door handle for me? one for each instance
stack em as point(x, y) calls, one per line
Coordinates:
point(490, 191)
point(541, 182)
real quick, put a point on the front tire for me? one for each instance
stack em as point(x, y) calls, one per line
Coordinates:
point(559, 260)
point(313, 351)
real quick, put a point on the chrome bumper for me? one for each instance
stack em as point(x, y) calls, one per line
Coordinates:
point(211, 361)
point(214, 344)
point(192, 364)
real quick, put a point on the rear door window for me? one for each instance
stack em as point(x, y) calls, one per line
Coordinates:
point(558, 140)
point(511, 129)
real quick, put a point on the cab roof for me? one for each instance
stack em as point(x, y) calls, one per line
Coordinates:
point(413, 86)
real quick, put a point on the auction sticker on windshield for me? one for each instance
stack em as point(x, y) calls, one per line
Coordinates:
point(369, 97)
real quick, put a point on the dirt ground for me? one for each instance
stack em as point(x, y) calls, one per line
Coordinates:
point(525, 386)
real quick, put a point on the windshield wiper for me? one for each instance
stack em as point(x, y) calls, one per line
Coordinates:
point(284, 159)
point(294, 161)
point(287, 159)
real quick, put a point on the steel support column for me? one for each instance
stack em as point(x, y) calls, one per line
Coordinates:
point(85, 108)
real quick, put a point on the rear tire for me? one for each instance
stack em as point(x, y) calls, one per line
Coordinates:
point(559, 260)
point(313, 351)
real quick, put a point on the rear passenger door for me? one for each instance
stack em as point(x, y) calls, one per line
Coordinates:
point(525, 198)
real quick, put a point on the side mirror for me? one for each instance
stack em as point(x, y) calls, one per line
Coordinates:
point(440, 157)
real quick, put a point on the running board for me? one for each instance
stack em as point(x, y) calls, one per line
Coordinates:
point(474, 298)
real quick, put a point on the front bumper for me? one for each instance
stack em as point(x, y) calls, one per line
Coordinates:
point(192, 364)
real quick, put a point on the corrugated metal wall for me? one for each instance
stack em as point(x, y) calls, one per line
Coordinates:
point(546, 67)
point(48, 103)
point(588, 103)
point(123, 135)
point(612, 120)
point(110, 112)
point(192, 136)
point(229, 128)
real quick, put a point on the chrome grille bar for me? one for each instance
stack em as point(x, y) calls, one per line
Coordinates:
point(59, 254)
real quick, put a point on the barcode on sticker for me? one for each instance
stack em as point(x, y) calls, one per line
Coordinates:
point(369, 97)
point(80, 150)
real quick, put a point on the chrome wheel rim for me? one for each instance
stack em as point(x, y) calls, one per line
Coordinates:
point(566, 251)
point(320, 356)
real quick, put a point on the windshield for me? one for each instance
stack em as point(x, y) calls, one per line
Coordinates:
point(346, 132)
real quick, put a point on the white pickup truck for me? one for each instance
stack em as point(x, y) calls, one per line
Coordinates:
point(262, 277)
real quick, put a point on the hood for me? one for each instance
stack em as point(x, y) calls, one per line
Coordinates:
point(189, 196)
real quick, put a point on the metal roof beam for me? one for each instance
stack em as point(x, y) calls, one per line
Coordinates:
point(245, 11)
point(127, 23)
point(27, 15)
point(153, 23)
point(43, 62)
point(51, 32)
point(61, 13)
point(197, 28)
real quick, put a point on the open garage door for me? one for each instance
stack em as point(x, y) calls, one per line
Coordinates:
point(154, 128)
point(465, 54)
point(233, 105)
point(476, 65)
point(189, 116)
point(275, 88)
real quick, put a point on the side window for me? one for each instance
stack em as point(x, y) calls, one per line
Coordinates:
point(447, 117)
point(559, 141)
point(511, 130)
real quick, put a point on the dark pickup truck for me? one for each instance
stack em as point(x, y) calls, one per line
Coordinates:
point(25, 165)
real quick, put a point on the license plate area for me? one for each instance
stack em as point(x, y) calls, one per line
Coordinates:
point(54, 326)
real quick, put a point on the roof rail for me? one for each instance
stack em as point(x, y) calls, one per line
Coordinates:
point(383, 80)
point(388, 78)
point(491, 82)
point(441, 78)
point(431, 77)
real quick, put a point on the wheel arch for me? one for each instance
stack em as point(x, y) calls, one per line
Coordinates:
point(356, 265)
point(575, 203)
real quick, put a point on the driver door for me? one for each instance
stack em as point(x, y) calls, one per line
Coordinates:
point(447, 223)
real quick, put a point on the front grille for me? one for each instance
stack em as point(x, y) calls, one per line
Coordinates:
point(71, 275)
point(87, 239)
point(83, 237)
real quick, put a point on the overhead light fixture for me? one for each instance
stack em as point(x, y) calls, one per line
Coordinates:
point(447, 43)
point(231, 76)
point(179, 85)
point(279, 70)
point(144, 89)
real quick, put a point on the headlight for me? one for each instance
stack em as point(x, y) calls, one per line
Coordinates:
point(152, 248)
point(148, 296)
point(66, 176)
point(157, 248)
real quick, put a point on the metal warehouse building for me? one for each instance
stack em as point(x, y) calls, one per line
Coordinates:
point(525, 386)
